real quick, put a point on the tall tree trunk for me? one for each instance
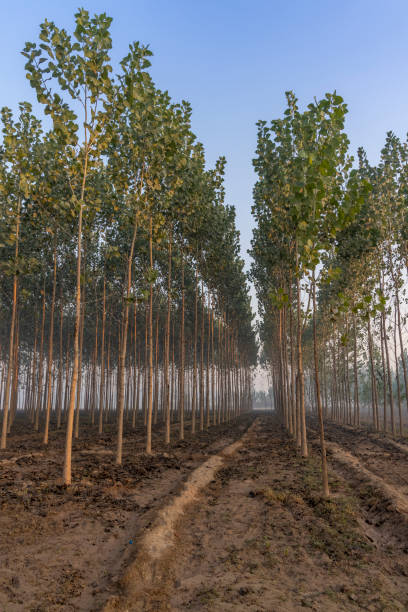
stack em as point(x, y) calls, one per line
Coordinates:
point(33, 371)
point(207, 378)
point(404, 366)
point(81, 342)
point(214, 365)
point(194, 398)
point(102, 380)
point(387, 358)
point(93, 395)
point(395, 279)
point(40, 366)
point(182, 352)
point(356, 397)
point(14, 388)
point(135, 401)
point(61, 362)
point(167, 345)
point(202, 363)
point(397, 372)
point(156, 372)
point(50, 346)
point(11, 335)
point(373, 379)
point(150, 347)
point(301, 391)
point(71, 408)
point(122, 355)
point(325, 478)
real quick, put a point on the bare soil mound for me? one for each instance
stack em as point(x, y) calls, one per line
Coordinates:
point(264, 539)
point(64, 548)
point(258, 537)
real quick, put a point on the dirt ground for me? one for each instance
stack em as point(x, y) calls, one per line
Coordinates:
point(263, 538)
point(259, 538)
point(64, 548)
point(375, 451)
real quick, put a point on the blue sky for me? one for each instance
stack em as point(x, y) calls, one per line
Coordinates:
point(234, 59)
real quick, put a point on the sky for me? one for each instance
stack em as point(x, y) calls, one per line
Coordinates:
point(233, 60)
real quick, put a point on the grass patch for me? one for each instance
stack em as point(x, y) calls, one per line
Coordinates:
point(282, 496)
point(335, 530)
point(207, 596)
point(336, 534)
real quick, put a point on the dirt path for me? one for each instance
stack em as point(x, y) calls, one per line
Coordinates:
point(263, 539)
point(64, 549)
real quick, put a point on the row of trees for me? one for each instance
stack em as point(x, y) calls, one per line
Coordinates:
point(330, 261)
point(122, 290)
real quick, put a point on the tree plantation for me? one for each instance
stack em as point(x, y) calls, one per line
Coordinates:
point(162, 446)
point(123, 290)
point(330, 261)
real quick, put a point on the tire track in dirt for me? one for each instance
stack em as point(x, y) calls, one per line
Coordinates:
point(262, 539)
point(86, 532)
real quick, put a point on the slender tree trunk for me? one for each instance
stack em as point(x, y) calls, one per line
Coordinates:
point(213, 370)
point(102, 380)
point(81, 342)
point(373, 379)
point(404, 366)
point(385, 421)
point(33, 372)
point(387, 357)
point(156, 373)
point(61, 363)
point(167, 345)
point(202, 364)
point(135, 401)
point(194, 398)
point(14, 388)
point(356, 397)
point(50, 347)
point(182, 353)
point(395, 279)
point(150, 348)
point(93, 397)
point(71, 408)
point(11, 335)
point(325, 478)
point(301, 392)
point(66, 393)
point(207, 378)
point(122, 355)
point(397, 372)
point(40, 366)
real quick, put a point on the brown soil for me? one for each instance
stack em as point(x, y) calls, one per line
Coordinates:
point(64, 548)
point(259, 538)
point(380, 455)
point(264, 539)
point(147, 578)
